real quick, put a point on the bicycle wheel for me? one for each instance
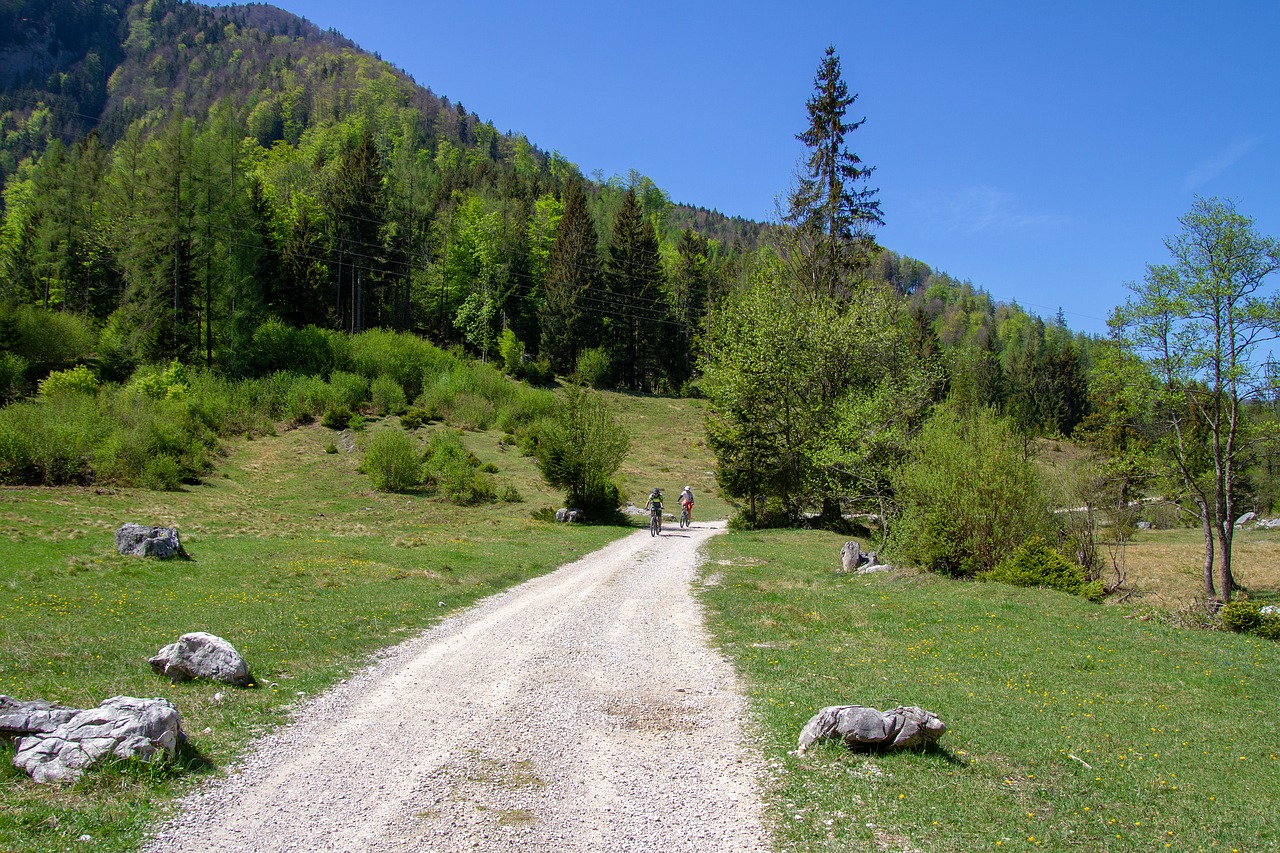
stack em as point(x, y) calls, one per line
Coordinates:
point(653, 525)
point(684, 518)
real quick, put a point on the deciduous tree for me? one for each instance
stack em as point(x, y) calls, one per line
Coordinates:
point(1198, 324)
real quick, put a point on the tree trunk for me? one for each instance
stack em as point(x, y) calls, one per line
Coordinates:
point(1208, 550)
point(1226, 580)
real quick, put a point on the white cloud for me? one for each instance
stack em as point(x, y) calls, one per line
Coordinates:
point(1218, 163)
point(973, 210)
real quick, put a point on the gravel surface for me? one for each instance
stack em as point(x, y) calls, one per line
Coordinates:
point(583, 710)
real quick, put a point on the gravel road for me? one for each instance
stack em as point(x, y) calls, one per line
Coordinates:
point(582, 710)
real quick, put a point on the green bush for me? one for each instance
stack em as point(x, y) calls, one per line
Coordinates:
point(525, 408)
point(579, 448)
point(76, 380)
point(46, 340)
point(1246, 617)
point(311, 351)
point(305, 397)
point(391, 462)
point(406, 358)
point(336, 417)
point(1034, 563)
point(162, 473)
point(13, 371)
point(968, 496)
point(1242, 616)
point(539, 372)
point(388, 396)
point(349, 389)
point(159, 384)
point(593, 368)
point(489, 468)
point(413, 419)
point(510, 494)
point(511, 351)
point(455, 470)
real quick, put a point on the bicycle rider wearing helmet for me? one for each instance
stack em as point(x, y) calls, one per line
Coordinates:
point(654, 505)
point(655, 501)
point(686, 501)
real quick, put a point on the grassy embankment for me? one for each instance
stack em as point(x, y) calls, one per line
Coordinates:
point(296, 561)
point(1072, 726)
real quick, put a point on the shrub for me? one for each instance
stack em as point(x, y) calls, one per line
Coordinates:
point(1036, 564)
point(968, 496)
point(331, 448)
point(13, 370)
point(392, 462)
point(510, 494)
point(77, 380)
point(539, 372)
point(162, 473)
point(336, 417)
point(305, 397)
point(579, 448)
point(525, 408)
point(511, 350)
point(161, 384)
point(593, 368)
point(349, 389)
point(406, 358)
point(413, 419)
point(46, 340)
point(455, 470)
point(277, 347)
point(388, 396)
point(1242, 616)
point(489, 468)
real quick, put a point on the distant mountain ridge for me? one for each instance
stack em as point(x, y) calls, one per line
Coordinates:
point(73, 67)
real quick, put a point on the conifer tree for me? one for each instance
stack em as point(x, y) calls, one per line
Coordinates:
point(637, 310)
point(568, 316)
point(831, 208)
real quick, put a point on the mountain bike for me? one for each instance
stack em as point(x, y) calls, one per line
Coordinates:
point(655, 521)
point(684, 516)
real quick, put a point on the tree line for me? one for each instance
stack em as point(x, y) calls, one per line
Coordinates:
point(851, 386)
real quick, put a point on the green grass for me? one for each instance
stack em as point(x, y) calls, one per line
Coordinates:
point(296, 560)
point(668, 450)
point(1177, 726)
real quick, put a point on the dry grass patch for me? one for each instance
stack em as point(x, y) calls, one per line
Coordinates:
point(1165, 568)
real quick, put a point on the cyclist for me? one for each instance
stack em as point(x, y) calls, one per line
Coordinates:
point(654, 505)
point(686, 501)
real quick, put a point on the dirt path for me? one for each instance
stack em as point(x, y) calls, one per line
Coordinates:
point(582, 710)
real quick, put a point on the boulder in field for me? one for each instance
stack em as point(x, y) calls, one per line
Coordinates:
point(18, 718)
point(201, 655)
point(124, 727)
point(141, 541)
point(857, 725)
point(854, 559)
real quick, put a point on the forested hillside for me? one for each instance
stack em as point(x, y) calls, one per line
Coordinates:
point(177, 174)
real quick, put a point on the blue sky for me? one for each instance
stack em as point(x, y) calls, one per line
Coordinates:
point(1041, 150)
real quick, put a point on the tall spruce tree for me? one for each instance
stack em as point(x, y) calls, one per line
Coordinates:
point(569, 315)
point(831, 208)
point(637, 312)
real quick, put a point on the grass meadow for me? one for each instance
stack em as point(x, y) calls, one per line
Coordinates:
point(1072, 726)
point(296, 560)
